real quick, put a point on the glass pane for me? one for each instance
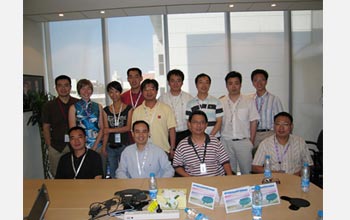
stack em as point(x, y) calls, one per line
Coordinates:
point(258, 42)
point(76, 48)
point(197, 44)
point(136, 42)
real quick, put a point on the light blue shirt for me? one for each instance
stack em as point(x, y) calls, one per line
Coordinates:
point(139, 164)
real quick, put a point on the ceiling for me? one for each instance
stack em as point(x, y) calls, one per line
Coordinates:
point(48, 10)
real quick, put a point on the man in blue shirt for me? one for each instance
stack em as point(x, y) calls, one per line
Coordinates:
point(142, 158)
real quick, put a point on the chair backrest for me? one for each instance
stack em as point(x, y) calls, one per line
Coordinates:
point(40, 205)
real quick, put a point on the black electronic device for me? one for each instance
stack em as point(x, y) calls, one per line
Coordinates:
point(40, 205)
point(133, 198)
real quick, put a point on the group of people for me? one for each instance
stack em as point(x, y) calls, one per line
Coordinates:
point(174, 135)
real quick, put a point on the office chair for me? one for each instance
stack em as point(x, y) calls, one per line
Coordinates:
point(317, 157)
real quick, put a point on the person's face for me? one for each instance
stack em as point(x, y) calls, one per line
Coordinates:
point(175, 83)
point(203, 84)
point(85, 92)
point(63, 87)
point(77, 139)
point(149, 92)
point(197, 125)
point(134, 79)
point(140, 134)
point(283, 126)
point(114, 94)
point(233, 86)
point(259, 82)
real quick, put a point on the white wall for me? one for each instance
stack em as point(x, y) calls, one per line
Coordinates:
point(33, 64)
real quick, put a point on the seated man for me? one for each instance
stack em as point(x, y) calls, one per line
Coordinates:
point(142, 158)
point(200, 154)
point(288, 152)
point(81, 162)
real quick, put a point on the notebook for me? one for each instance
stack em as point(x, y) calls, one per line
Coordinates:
point(40, 205)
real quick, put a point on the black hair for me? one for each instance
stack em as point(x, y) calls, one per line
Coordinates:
point(233, 74)
point(259, 71)
point(175, 72)
point(140, 122)
point(134, 69)
point(149, 81)
point(76, 128)
point(285, 114)
point(115, 85)
point(61, 77)
point(202, 75)
point(198, 112)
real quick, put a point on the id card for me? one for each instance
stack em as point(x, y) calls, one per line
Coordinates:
point(117, 138)
point(66, 138)
point(203, 168)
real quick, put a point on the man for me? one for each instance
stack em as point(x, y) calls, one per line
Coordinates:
point(177, 100)
point(208, 104)
point(239, 124)
point(200, 154)
point(55, 121)
point(267, 104)
point(133, 96)
point(142, 158)
point(158, 115)
point(288, 152)
point(81, 163)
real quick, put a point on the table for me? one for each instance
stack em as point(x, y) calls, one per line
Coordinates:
point(70, 199)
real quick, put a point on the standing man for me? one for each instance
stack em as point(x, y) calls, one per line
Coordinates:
point(81, 163)
point(142, 158)
point(133, 96)
point(55, 121)
point(267, 104)
point(239, 124)
point(210, 105)
point(288, 152)
point(158, 115)
point(177, 100)
point(200, 154)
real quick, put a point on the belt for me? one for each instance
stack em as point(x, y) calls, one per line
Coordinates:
point(262, 130)
point(238, 139)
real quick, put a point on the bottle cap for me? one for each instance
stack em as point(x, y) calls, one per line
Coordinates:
point(267, 156)
point(257, 187)
point(186, 209)
point(199, 216)
point(320, 213)
point(152, 175)
point(306, 164)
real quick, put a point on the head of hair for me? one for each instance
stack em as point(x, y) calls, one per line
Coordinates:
point(285, 114)
point(140, 122)
point(84, 82)
point(175, 72)
point(149, 81)
point(259, 71)
point(61, 77)
point(198, 112)
point(200, 76)
point(115, 85)
point(134, 69)
point(233, 74)
point(76, 128)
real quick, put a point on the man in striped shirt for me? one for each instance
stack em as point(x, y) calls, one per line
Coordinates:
point(200, 154)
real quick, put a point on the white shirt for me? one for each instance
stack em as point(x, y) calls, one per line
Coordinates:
point(237, 117)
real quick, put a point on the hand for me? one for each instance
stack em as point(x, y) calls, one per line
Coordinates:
point(171, 153)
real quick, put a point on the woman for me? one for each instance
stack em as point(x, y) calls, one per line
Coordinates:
point(117, 124)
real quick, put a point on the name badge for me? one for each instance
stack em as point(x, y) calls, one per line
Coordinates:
point(203, 168)
point(66, 138)
point(117, 138)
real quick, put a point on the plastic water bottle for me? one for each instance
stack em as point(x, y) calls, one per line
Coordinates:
point(320, 215)
point(256, 203)
point(194, 214)
point(108, 173)
point(153, 189)
point(305, 177)
point(267, 168)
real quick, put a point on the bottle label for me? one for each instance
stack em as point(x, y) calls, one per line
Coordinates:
point(256, 210)
point(153, 193)
point(267, 174)
point(305, 183)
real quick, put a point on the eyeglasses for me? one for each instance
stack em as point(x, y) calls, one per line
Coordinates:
point(282, 124)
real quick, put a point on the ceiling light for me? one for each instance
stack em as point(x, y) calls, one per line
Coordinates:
point(231, 5)
point(61, 14)
point(273, 5)
point(102, 12)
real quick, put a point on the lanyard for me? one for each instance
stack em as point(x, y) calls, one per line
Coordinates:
point(200, 105)
point(116, 121)
point(234, 107)
point(205, 151)
point(62, 110)
point(280, 157)
point(132, 100)
point(81, 163)
point(140, 168)
point(153, 114)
